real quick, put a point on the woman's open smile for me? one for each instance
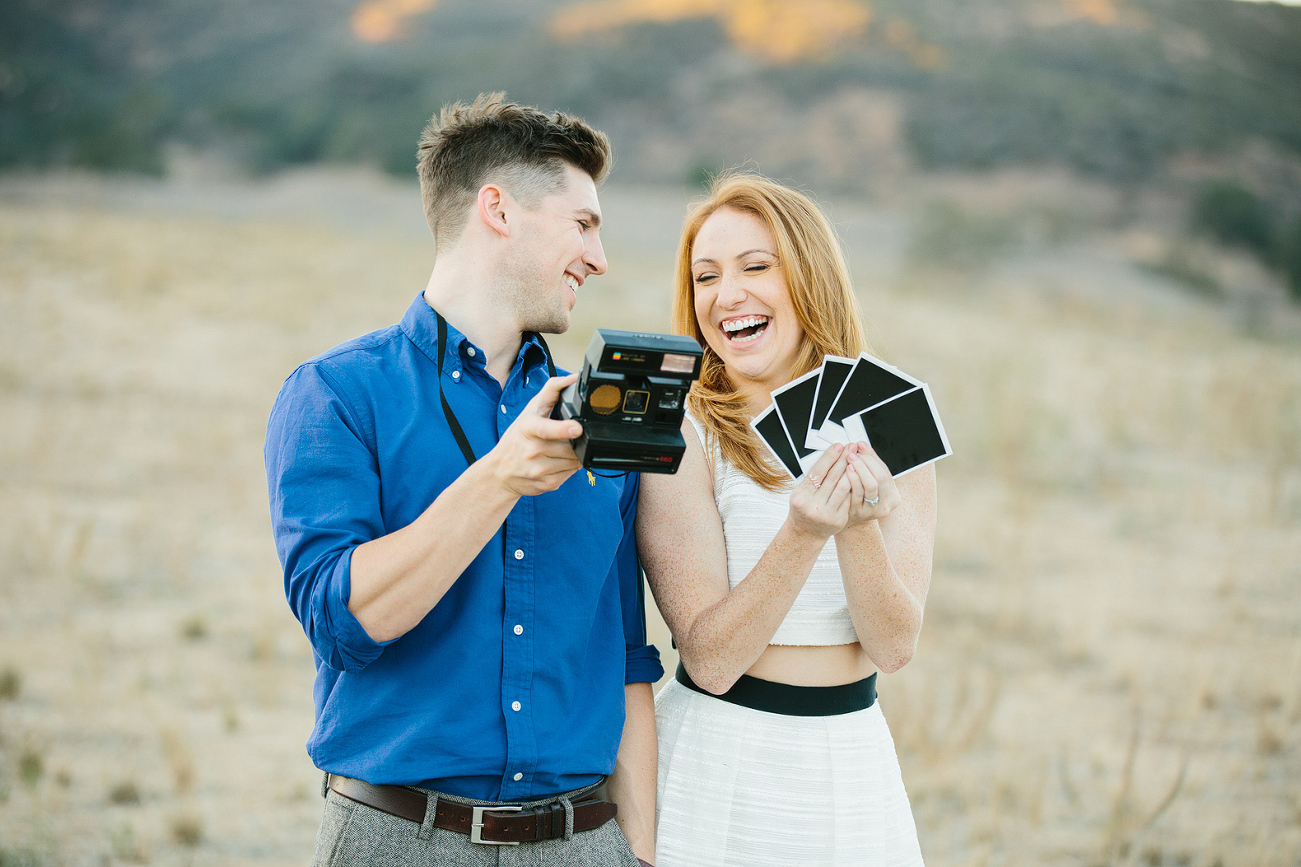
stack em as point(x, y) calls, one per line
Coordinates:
point(742, 301)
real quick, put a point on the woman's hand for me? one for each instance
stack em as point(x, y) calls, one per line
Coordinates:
point(872, 491)
point(820, 505)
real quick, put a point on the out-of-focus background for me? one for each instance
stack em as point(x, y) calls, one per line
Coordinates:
point(1079, 220)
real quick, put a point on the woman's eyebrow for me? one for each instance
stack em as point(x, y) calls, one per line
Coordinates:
point(739, 256)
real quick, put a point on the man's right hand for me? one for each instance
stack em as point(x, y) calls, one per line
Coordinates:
point(534, 455)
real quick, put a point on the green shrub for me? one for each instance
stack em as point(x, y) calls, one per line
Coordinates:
point(1234, 215)
point(1288, 257)
point(11, 683)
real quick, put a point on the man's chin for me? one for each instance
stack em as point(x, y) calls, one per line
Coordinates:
point(552, 325)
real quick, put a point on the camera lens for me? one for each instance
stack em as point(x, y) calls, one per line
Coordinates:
point(634, 402)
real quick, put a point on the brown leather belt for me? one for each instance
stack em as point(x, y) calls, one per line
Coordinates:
point(491, 824)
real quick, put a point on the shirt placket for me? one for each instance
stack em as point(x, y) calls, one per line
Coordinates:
point(519, 544)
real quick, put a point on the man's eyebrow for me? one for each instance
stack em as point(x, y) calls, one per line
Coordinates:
point(592, 217)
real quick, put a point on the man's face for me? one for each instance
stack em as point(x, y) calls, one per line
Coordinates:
point(554, 249)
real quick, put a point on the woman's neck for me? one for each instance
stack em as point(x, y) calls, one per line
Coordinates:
point(756, 393)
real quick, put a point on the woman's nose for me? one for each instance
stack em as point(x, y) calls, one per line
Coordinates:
point(730, 292)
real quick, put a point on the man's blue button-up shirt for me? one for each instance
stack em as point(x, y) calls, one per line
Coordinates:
point(512, 686)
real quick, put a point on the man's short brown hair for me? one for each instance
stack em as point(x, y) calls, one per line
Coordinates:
point(520, 147)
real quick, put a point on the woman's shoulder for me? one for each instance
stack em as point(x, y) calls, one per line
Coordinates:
point(696, 424)
point(697, 427)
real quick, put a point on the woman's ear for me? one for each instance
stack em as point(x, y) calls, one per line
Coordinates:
point(492, 208)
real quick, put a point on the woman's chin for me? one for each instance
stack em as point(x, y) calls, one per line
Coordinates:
point(756, 361)
point(751, 368)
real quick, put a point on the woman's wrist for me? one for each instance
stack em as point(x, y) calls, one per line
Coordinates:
point(869, 529)
point(801, 533)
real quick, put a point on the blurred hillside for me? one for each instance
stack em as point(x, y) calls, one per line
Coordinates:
point(1195, 98)
point(829, 91)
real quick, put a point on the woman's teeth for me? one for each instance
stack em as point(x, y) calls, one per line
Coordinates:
point(745, 330)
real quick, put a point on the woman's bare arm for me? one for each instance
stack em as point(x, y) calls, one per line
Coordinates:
point(886, 561)
point(721, 632)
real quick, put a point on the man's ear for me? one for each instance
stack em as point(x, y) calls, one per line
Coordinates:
point(492, 205)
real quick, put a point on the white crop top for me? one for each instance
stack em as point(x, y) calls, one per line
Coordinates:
point(751, 518)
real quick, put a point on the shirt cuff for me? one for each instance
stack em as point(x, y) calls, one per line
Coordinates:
point(354, 649)
point(642, 665)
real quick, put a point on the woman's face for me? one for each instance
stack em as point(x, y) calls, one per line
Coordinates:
point(742, 302)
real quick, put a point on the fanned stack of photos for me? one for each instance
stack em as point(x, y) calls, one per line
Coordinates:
point(849, 400)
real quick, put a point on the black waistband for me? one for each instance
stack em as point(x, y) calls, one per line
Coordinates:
point(790, 700)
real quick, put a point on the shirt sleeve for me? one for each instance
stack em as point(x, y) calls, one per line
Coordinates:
point(323, 482)
point(642, 663)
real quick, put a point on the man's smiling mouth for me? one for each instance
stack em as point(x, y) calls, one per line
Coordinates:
point(744, 328)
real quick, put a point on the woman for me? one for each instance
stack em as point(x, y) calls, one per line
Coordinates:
point(784, 598)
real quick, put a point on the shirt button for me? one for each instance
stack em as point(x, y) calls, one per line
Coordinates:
point(503, 409)
point(456, 374)
point(515, 705)
point(517, 777)
point(519, 555)
point(469, 350)
point(519, 630)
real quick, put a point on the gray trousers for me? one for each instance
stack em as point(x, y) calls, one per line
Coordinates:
point(353, 835)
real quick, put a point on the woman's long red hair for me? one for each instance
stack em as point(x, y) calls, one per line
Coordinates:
point(818, 279)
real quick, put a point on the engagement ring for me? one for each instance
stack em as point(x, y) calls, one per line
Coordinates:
point(873, 501)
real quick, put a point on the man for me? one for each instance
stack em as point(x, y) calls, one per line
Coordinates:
point(474, 604)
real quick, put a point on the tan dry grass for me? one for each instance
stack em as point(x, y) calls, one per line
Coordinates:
point(1110, 668)
point(140, 357)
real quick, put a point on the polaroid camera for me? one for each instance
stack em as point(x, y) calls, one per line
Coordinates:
point(630, 398)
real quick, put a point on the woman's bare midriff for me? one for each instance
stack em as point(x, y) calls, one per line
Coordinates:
point(813, 665)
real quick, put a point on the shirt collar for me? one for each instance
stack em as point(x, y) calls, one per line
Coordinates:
point(420, 325)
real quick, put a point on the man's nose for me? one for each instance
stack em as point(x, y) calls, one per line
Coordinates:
point(594, 256)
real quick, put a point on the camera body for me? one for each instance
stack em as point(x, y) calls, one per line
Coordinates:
point(630, 397)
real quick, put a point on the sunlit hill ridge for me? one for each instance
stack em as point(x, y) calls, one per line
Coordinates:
point(778, 30)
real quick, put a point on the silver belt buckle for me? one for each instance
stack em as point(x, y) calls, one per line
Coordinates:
point(476, 824)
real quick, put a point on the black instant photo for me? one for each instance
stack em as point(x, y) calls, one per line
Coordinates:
point(769, 427)
point(868, 384)
point(905, 432)
point(835, 370)
point(795, 405)
point(630, 398)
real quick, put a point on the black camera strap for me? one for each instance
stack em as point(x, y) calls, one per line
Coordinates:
point(546, 350)
point(457, 433)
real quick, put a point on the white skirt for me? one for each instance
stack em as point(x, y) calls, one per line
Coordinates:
point(748, 788)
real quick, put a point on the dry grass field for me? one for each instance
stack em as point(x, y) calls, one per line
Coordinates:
point(1110, 671)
